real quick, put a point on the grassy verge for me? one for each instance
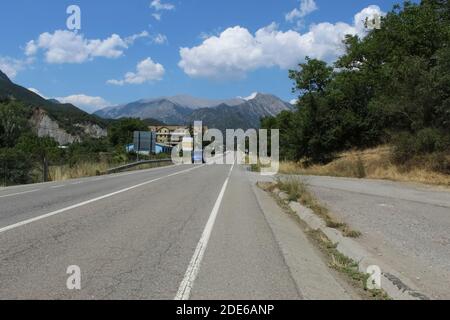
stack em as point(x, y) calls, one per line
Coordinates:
point(372, 164)
point(297, 191)
point(66, 172)
point(345, 265)
point(86, 169)
point(335, 260)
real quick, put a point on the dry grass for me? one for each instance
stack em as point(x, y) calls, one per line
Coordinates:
point(87, 169)
point(297, 191)
point(372, 164)
point(343, 264)
point(62, 173)
point(335, 259)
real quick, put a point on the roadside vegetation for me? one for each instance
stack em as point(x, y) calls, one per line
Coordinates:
point(334, 258)
point(346, 266)
point(297, 191)
point(391, 88)
point(27, 158)
point(374, 163)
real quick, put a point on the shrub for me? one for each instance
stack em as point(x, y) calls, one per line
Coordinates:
point(430, 140)
point(15, 167)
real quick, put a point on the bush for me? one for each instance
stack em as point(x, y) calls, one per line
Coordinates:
point(427, 141)
point(440, 162)
point(15, 167)
point(402, 145)
point(430, 140)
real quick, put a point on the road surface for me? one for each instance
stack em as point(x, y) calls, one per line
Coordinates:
point(178, 232)
point(406, 225)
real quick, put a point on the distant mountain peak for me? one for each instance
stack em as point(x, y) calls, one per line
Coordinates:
point(184, 109)
point(191, 102)
point(250, 97)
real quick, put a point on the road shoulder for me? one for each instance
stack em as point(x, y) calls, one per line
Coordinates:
point(311, 274)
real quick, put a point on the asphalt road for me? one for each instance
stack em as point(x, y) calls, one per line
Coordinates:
point(184, 232)
point(406, 225)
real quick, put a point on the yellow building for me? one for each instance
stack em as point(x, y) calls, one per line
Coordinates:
point(171, 135)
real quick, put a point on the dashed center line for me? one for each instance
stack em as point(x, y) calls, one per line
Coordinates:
point(19, 193)
point(81, 204)
point(57, 187)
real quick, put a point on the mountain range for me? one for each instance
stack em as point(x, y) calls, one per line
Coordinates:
point(67, 124)
point(243, 113)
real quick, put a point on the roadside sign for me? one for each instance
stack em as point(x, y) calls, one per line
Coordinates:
point(144, 141)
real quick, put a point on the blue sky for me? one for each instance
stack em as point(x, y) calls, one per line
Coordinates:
point(128, 50)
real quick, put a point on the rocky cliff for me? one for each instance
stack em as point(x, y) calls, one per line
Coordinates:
point(45, 126)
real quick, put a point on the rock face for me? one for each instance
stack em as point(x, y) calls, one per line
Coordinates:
point(62, 121)
point(93, 130)
point(44, 126)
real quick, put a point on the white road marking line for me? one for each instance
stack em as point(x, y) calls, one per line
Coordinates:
point(81, 204)
point(184, 291)
point(19, 193)
point(57, 187)
point(87, 179)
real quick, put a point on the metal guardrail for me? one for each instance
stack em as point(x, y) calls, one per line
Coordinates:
point(135, 164)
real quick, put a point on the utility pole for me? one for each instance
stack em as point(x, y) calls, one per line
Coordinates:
point(45, 168)
point(139, 145)
point(4, 172)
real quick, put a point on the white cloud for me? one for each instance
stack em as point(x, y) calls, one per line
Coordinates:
point(131, 39)
point(64, 46)
point(294, 101)
point(206, 35)
point(236, 51)
point(159, 38)
point(306, 7)
point(146, 71)
point(158, 5)
point(37, 92)
point(11, 67)
point(31, 48)
point(85, 102)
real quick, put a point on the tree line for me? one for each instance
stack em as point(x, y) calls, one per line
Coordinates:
point(25, 157)
point(390, 87)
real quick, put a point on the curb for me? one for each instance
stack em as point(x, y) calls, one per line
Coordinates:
point(393, 283)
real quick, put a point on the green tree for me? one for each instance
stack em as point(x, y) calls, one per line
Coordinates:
point(15, 167)
point(314, 75)
point(13, 123)
point(392, 85)
point(121, 131)
point(42, 151)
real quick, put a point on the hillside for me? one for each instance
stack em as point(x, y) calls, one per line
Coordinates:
point(61, 121)
point(65, 114)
